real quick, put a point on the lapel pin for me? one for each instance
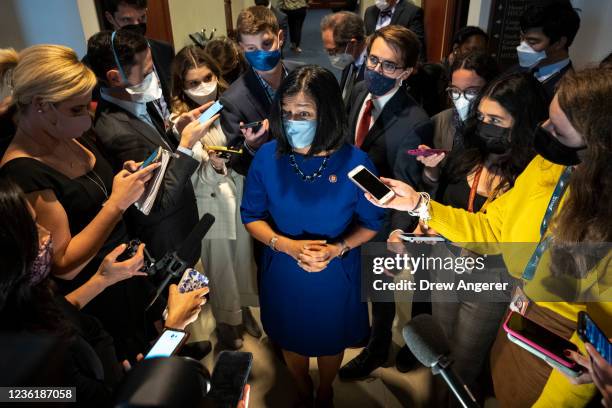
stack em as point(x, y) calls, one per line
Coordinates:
point(333, 178)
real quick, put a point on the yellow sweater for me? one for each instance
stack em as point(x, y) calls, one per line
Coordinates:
point(515, 217)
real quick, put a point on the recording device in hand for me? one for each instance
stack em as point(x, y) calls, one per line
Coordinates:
point(229, 377)
point(168, 343)
point(172, 265)
point(589, 332)
point(131, 250)
point(369, 183)
point(427, 341)
point(210, 112)
point(541, 342)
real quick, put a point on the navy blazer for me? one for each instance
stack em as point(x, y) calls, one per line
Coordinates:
point(124, 137)
point(402, 125)
point(406, 14)
point(245, 101)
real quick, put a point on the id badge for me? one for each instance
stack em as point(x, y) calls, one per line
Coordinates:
point(520, 301)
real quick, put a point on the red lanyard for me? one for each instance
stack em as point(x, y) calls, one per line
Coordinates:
point(474, 188)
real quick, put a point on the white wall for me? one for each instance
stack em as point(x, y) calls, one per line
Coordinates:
point(28, 22)
point(89, 17)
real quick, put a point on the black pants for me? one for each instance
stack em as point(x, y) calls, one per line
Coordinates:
point(296, 20)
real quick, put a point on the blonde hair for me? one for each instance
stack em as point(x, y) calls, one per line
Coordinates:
point(52, 72)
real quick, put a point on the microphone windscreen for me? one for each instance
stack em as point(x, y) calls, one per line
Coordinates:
point(195, 236)
point(425, 338)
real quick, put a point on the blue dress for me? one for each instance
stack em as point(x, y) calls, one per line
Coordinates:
point(312, 314)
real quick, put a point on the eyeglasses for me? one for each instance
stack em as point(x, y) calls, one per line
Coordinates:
point(388, 67)
point(455, 93)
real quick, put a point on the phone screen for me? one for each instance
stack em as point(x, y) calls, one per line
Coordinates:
point(371, 183)
point(229, 377)
point(596, 337)
point(541, 336)
point(149, 159)
point(167, 344)
point(210, 112)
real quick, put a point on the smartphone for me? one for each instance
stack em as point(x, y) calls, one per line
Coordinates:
point(151, 159)
point(229, 377)
point(168, 343)
point(425, 152)
point(223, 149)
point(210, 112)
point(420, 238)
point(589, 332)
point(541, 339)
point(192, 280)
point(251, 125)
point(572, 372)
point(369, 183)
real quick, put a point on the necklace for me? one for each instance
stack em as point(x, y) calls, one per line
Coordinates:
point(300, 173)
point(100, 185)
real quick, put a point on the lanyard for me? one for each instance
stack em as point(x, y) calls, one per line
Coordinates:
point(474, 189)
point(560, 188)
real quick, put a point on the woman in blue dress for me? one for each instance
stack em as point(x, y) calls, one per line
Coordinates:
point(300, 202)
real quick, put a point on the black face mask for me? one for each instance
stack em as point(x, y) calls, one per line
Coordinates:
point(140, 28)
point(495, 139)
point(550, 148)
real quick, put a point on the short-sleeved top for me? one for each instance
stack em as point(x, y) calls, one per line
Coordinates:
point(323, 209)
point(81, 197)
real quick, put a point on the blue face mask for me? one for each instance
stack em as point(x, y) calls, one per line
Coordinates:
point(263, 60)
point(300, 133)
point(377, 83)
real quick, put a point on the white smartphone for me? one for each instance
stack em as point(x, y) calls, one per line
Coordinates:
point(421, 238)
point(168, 343)
point(539, 354)
point(369, 183)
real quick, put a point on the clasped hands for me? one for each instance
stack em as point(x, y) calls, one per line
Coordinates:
point(311, 255)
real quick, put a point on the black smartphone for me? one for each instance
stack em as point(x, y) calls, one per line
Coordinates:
point(168, 343)
point(254, 125)
point(589, 332)
point(229, 377)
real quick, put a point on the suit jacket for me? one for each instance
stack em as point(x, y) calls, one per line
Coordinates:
point(283, 22)
point(402, 125)
point(245, 101)
point(406, 14)
point(124, 137)
point(550, 84)
point(359, 77)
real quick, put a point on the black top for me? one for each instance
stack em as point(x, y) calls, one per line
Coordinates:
point(457, 195)
point(120, 307)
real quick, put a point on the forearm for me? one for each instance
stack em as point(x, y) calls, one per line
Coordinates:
point(262, 231)
point(80, 297)
point(86, 244)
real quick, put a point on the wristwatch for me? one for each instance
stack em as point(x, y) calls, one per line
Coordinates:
point(344, 251)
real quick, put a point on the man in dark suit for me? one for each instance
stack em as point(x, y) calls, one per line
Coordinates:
point(130, 125)
point(283, 20)
point(132, 14)
point(343, 36)
point(396, 12)
point(547, 31)
point(249, 98)
point(386, 122)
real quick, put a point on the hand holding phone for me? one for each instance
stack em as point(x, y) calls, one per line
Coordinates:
point(425, 152)
point(589, 332)
point(210, 112)
point(153, 157)
point(170, 341)
point(229, 378)
point(369, 183)
point(421, 238)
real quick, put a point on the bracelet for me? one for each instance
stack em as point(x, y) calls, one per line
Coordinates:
point(422, 208)
point(272, 243)
point(394, 231)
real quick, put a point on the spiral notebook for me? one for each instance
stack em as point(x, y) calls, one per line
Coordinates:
point(147, 199)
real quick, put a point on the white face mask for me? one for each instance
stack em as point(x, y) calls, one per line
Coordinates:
point(202, 93)
point(341, 61)
point(527, 56)
point(381, 4)
point(146, 91)
point(462, 105)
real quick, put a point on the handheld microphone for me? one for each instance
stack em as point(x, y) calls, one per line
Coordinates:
point(426, 340)
point(172, 265)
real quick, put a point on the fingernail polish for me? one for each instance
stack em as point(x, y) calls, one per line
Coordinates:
point(567, 353)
